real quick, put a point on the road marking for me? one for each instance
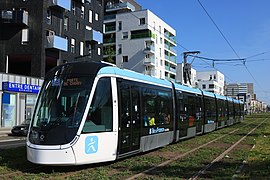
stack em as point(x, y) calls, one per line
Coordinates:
point(10, 140)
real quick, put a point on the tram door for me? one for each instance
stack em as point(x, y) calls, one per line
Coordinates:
point(182, 117)
point(129, 134)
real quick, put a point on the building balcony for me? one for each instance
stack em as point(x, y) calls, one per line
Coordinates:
point(56, 42)
point(171, 58)
point(109, 17)
point(169, 48)
point(150, 72)
point(60, 4)
point(110, 29)
point(120, 6)
point(109, 41)
point(16, 17)
point(139, 34)
point(150, 49)
point(92, 35)
point(170, 37)
point(149, 61)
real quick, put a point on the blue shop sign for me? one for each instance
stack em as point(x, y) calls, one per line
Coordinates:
point(18, 87)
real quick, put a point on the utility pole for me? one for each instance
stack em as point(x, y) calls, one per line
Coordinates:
point(187, 66)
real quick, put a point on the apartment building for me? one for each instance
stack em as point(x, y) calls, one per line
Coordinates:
point(140, 41)
point(212, 81)
point(37, 35)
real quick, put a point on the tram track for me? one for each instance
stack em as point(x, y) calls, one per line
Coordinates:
point(63, 174)
point(167, 162)
point(221, 156)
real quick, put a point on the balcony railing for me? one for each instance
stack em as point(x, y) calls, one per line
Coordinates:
point(149, 61)
point(166, 46)
point(60, 4)
point(149, 49)
point(19, 17)
point(111, 40)
point(171, 58)
point(93, 35)
point(143, 35)
point(169, 37)
point(110, 28)
point(56, 42)
point(150, 72)
point(119, 6)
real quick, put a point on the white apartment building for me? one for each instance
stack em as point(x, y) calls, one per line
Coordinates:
point(212, 81)
point(142, 42)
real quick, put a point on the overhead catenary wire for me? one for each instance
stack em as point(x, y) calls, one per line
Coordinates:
point(218, 29)
point(224, 37)
point(230, 44)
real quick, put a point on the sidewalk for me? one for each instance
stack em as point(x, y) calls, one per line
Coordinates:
point(5, 131)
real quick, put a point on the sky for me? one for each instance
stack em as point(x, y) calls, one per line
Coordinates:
point(240, 30)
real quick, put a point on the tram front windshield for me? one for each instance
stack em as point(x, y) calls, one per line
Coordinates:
point(59, 109)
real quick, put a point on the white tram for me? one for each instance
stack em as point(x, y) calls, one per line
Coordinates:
point(90, 112)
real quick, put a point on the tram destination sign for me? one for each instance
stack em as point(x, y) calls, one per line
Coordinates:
point(18, 87)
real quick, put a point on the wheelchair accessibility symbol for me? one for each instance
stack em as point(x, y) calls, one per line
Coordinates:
point(91, 144)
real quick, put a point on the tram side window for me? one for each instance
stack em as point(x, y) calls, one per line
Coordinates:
point(156, 107)
point(210, 110)
point(100, 115)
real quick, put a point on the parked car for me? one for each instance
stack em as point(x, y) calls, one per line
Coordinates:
point(22, 129)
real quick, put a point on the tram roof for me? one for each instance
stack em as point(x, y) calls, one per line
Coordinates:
point(209, 94)
point(187, 89)
point(236, 101)
point(220, 97)
point(230, 99)
point(128, 74)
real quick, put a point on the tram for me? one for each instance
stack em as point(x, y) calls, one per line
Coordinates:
point(91, 112)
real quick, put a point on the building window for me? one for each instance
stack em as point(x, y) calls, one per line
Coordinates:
point(211, 86)
point(65, 23)
point(203, 86)
point(125, 58)
point(77, 25)
point(25, 36)
point(81, 48)
point(82, 12)
point(90, 16)
point(142, 21)
point(72, 45)
point(210, 77)
point(49, 17)
point(161, 40)
point(161, 63)
point(96, 16)
point(119, 48)
point(120, 25)
point(125, 35)
point(73, 8)
point(215, 76)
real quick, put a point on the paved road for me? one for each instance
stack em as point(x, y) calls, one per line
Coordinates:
point(8, 141)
